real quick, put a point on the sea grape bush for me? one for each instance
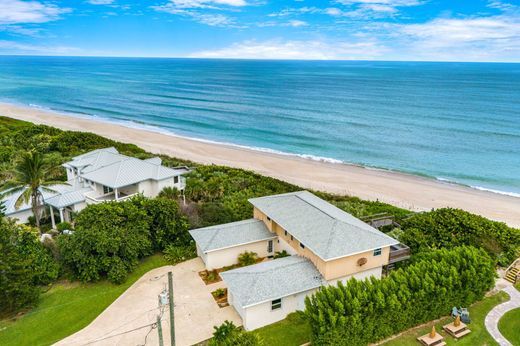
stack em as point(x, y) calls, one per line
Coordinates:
point(447, 228)
point(362, 312)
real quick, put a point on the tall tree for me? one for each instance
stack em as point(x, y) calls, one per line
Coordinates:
point(30, 178)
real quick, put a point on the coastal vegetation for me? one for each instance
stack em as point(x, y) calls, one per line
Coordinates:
point(112, 243)
point(362, 312)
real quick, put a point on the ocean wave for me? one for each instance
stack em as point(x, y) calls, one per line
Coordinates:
point(153, 128)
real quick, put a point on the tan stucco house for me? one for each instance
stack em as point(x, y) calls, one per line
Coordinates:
point(326, 245)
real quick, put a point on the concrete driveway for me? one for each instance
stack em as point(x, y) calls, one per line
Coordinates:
point(127, 320)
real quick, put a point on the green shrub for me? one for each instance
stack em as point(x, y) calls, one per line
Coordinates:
point(62, 226)
point(447, 228)
point(170, 193)
point(109, 239)
point(363, 312)
point(227, 334)
point(24, 264)
point(166, 223)
point(220, 292)
point(247, 258)
point(179, 253)
point(280, 254)
point(212, 275)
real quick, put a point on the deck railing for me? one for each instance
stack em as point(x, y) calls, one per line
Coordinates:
point(398, 253)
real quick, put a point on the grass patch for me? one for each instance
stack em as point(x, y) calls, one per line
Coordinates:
point(478, 336)
point(293, 331)
point(508, 326)
point(67, 308)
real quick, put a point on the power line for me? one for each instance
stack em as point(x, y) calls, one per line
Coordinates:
point(122, 333)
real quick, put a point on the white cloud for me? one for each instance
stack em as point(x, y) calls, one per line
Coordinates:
point(205, 3)
point(17, 12)
point(305, 50)
point(296, 23)
point(22, 48)
point(495, 38)
point(100, 2)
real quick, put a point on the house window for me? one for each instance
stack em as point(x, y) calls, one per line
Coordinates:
point(302, 246)
point(269, 246)
point(107, 189)
point(292, 238)
point(276, 304)
point(286, 233)
point(268, 218)
point(377, 252)
point(176, 179)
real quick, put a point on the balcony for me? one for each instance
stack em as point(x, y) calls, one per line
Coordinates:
point(399, 252)
point(93, 197)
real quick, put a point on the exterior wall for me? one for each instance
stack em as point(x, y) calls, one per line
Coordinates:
point(375, 272)
point(128, 190)
point(332, 269)
point(225, 257)
point(348, 265)
point(161, 184)
point(79, 206)
point(147, 188)
point(281, 245)
point(21, 216)
point(260, 315)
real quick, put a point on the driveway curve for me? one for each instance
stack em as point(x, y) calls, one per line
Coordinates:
point(498, 311)
point(131, 318)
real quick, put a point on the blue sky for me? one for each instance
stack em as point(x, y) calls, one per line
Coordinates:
point(435, 30)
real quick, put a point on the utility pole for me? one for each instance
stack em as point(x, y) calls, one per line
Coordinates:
point(159, 330)
point(172, 321)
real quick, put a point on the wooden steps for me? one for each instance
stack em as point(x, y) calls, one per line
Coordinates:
point(512, 275)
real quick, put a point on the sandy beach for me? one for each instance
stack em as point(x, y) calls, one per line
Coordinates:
point(407, 191)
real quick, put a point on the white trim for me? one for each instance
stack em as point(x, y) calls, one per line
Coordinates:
point(271, 299)
point(235, 245)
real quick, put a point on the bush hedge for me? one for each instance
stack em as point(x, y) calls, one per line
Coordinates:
point(361, 312)
point(448, 228)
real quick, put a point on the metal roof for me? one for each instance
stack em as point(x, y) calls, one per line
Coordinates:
point(231, 234)
point(109, 168)
point(68, 198)
point(326, 230)
point(267, 281)
point(10, 199)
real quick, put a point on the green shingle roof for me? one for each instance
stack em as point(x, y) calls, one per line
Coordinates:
point(326, 230)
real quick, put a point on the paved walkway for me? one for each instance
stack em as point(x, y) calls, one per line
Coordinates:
point(498, 311)
point(128, 320)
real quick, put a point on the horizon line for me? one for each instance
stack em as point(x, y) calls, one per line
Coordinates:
point(252, 59)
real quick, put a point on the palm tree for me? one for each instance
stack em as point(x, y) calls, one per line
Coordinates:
point(30, 178)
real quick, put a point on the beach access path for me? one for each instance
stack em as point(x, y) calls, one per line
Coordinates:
point(494, 316)
point(402, 190)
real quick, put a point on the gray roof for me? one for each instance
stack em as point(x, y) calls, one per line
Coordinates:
point(68, 198)
point(231, 234)
point(326, 230)
point(271, 280)
point(10, 199)
point(109, 168)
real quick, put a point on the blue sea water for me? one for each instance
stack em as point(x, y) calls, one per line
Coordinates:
point(453, 121)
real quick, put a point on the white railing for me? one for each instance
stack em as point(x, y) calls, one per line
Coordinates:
point(107, 197)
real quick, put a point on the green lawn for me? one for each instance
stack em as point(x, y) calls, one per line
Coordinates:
point(478, 336)
point(67, 308)
point(293, 331)
point(508, 326)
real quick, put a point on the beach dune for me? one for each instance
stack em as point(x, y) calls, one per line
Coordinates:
point(402, 190)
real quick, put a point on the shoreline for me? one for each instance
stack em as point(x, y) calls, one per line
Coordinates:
point(404, 190)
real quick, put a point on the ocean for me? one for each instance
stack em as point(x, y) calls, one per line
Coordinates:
point(457, 122)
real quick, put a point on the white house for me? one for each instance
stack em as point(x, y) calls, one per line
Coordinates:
point(326, 245)
point(99, 176)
